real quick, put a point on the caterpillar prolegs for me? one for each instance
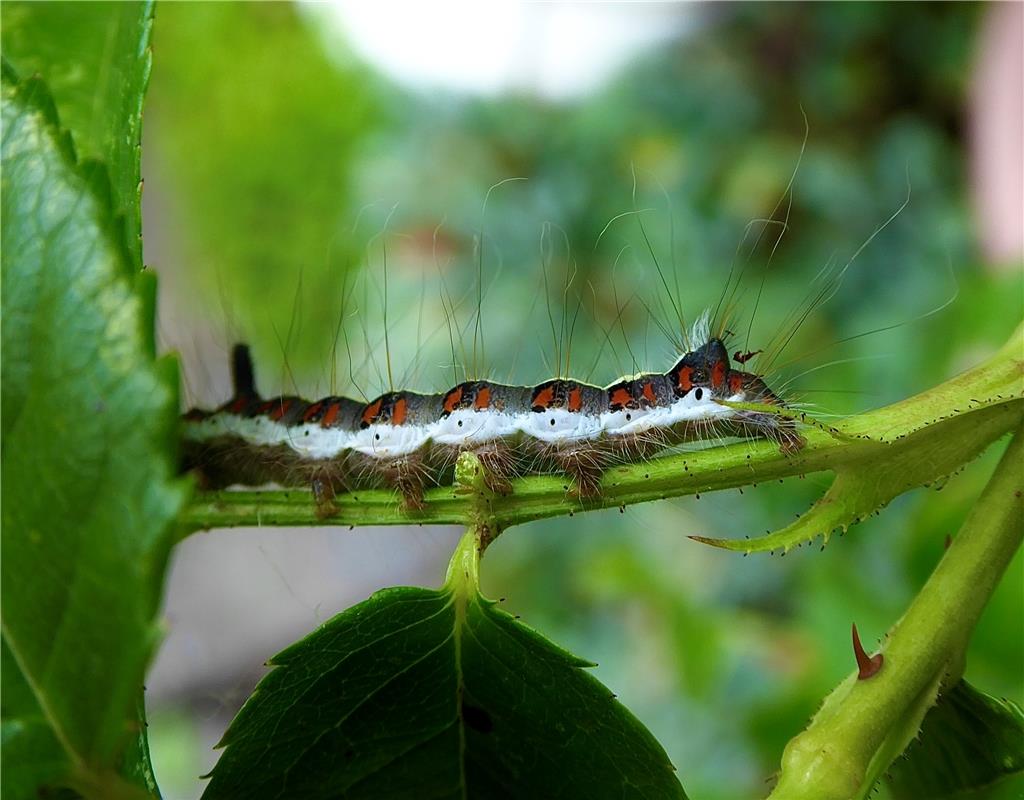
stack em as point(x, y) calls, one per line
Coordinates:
point(410, 441)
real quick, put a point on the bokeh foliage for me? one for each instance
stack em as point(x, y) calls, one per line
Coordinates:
point(724, 658)
point(253, 130)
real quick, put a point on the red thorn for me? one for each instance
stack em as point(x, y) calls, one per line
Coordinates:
point(867, 666)
point(948, 542)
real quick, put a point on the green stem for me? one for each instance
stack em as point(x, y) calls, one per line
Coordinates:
point(865, 724)
point(976, 408)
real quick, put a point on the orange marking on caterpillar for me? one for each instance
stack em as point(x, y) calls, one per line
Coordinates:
point(369, 415)
point(620, 398)
point(452, 400)
point(238, 406)
point(399, 411)
point(483, 399)
point(735, 382)
point(543, 398)
point(278, 409)
point(313, 411)
point(867, 666)
point(718, 374)
point(575, 399)
point(683, 379)
point(330, 415)
point(648, 393)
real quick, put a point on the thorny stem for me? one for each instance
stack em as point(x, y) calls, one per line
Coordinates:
point(972, 409)
point(865, 724)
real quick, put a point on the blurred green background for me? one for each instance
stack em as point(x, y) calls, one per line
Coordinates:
point(284, 169)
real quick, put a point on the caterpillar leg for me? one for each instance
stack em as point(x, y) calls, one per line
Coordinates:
point(408, 475)
point(323, 496)
point(324, 478)
point(411, 489)
point(498, 462)
point(780, 430)
point(790, 442)
point(585, 467)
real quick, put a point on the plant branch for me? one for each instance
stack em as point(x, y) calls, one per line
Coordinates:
point(865, 724)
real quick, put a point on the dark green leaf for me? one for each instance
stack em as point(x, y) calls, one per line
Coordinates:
point(425, 693)
point(88, 495)
point(967, 742)
point(95, 58)
point(32, 755)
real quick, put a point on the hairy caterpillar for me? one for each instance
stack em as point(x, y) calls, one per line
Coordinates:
point(409, 440)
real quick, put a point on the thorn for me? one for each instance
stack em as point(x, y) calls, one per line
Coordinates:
point(867, 666)
point(948, 542)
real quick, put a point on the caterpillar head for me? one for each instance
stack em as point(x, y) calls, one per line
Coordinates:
point(706, 368)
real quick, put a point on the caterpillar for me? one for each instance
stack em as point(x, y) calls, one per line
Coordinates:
point(410, 441)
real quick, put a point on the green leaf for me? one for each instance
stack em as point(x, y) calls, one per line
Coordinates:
point(32, 755)
point(968, 741)
point(88, 496)
point(95, 58)
point(435, 693)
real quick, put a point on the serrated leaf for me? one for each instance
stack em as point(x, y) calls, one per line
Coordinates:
point(425, 693)
point(95, 58)
point(968, 741)
point(88, 495)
